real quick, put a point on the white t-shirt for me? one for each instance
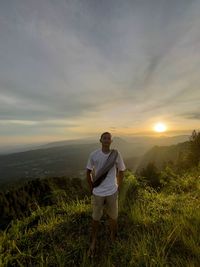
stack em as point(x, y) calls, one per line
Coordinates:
point(95, 162)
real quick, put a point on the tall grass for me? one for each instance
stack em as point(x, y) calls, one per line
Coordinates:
point(155, 229)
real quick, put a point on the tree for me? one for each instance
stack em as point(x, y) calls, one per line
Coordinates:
point(194, 148)
point(151, 174)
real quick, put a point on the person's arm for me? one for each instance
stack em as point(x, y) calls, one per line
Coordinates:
point(120, 177)
point(89, 179)
point(89, 169)
point(120, 171)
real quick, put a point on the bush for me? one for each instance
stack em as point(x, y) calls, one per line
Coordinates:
point(151, 175)
point(167, 176)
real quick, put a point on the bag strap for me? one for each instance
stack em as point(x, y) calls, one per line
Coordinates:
point(100, 179)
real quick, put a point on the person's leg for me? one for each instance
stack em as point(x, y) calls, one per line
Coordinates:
point(95, 224)
point(112, 211)
point(113, 229)
point(97, 205)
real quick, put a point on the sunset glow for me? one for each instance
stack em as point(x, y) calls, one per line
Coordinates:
point(160, 127)
point(73, 69)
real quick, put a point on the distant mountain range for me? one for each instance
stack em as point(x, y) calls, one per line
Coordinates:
point(69, 158)
point(144, 141)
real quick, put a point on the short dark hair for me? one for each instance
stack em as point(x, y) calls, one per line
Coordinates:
point(105, 133)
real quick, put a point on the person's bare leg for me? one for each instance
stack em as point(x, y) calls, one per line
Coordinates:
point(95, 225)
point(113, 228)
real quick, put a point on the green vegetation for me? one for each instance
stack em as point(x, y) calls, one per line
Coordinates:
point(20, 201)
point(159, 224)
point(155, 229)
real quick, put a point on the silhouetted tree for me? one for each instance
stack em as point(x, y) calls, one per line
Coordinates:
point(194, 148)
point(151, 174)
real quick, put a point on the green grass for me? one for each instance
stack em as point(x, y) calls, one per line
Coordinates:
point(155, 229)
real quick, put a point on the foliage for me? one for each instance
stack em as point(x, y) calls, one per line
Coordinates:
point(191, 157)
point(151, 175)
point(194, 155)
point(158, 224)
point(19, 202)
point(155, 228)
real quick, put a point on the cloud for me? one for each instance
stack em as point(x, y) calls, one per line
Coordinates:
point(96, 62)
point(192, 115)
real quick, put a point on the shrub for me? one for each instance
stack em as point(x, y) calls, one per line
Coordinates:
point(151, 175)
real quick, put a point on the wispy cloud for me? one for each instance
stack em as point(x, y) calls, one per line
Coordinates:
point(192, 115)
point(93, 62)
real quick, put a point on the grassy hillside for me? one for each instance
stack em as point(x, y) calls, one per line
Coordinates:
point(161, 155)
point(21, 200)
point(156, 228)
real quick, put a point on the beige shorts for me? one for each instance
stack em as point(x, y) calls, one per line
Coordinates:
point(109, 203)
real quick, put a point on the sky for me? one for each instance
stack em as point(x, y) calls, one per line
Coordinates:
point(72, 69)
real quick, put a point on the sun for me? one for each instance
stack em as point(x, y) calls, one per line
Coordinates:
point(160, 127)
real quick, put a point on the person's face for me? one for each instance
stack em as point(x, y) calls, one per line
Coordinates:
point(106, 140)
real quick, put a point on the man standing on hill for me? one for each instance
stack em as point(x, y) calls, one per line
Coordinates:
point(103, 167)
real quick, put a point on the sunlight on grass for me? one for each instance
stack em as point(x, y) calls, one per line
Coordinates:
point(156, 228)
